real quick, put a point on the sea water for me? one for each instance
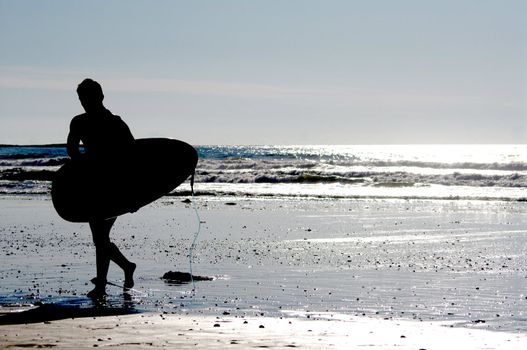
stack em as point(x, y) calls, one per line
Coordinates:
point(485, 172)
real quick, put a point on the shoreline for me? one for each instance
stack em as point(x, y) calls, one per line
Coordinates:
point(220, 196)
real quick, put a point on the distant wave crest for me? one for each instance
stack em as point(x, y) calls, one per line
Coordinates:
point(368, 177)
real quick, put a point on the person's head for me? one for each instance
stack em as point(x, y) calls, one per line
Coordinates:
point(90, 95)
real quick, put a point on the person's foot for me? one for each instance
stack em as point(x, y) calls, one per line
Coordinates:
point(129, 276)
point(98, 292)
point(95, 281)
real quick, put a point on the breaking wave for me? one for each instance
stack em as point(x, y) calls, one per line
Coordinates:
point(325, 170)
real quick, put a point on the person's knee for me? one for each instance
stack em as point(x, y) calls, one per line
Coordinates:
point(102, 242)
point(112, 246)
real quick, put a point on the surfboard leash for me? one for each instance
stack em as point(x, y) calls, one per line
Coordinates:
point(196, 234)
point(115, 284)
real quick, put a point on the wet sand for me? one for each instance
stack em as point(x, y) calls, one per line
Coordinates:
point(209, 332)
point(348, 263)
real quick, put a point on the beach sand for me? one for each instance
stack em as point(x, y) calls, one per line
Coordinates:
point(315, 273)
point(208, 332)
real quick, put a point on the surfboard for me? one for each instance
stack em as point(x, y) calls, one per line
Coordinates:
point(84, 190)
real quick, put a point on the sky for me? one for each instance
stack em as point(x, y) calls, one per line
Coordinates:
point(270, 72)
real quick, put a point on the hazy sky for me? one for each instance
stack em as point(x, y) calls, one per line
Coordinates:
point(270, 72)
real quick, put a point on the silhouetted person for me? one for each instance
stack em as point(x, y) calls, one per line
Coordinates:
point(105, 138)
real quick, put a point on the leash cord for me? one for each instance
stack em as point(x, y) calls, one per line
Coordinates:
point(196, 234)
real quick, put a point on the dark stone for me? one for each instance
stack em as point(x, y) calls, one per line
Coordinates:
point(177, 277)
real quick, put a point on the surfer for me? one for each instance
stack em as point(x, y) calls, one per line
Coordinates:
point(105, 138)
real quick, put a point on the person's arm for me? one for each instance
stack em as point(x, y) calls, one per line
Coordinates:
point(73, 141)
point(125, 133)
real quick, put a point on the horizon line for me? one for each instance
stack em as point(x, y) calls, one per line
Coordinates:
point(62, 144)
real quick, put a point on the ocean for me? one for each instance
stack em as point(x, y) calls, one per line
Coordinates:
point(428, 233)
point(478, 172)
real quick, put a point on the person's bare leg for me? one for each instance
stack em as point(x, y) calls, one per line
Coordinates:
point(107, 250)
point(101, 237)
point(127, 266)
